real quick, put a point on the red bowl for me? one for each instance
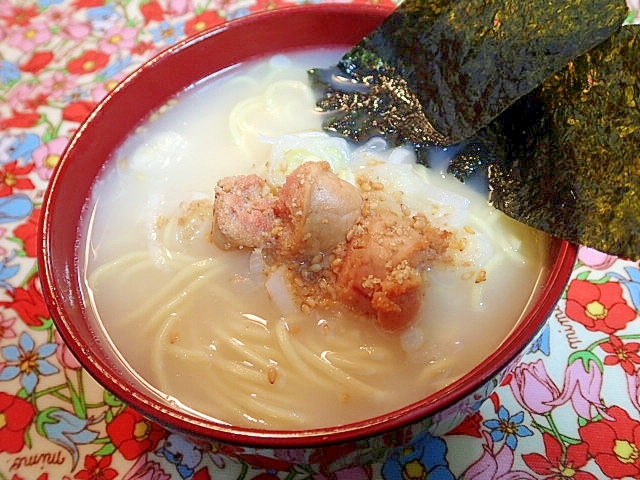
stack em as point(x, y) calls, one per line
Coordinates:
point(143, 92)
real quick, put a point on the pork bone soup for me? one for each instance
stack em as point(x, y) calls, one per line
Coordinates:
point(330, 283)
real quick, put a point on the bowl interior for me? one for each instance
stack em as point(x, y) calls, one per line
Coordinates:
point(130, 103)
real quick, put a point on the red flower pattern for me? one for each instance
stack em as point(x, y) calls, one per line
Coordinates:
point(152, 11)
point(20, 120)
point(28, 303)
point(132, 434)
point(37, 62)
point(599, 307)
point(88, 3)
point(559, 465)
point(202, 474)
point(142, 47)
point(28, 233)
point(78, 111)
point(16, 414)
point(13, 176)
point(614, 444)
point(202, 21)
point(21, 16)
point(89, 62)
point(97, 469)
point(44, 476)
point(33, 103)
point(623, 354)
point(470, 426)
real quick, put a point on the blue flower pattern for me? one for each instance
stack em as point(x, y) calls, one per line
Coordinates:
point(115, 68)
point(15, 208)
point(102, 17)
point(9, 72)
point(424, 458)
point(19, 147)
point(168, 33)
point(27, 362)
point(542, 343)
point(508, 428)
point(8, 271)
point(67, 429)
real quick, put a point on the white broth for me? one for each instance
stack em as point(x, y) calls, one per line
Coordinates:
point(204, 325)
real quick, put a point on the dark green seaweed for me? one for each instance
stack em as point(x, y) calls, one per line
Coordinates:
point(566, 158)
point(454, 66)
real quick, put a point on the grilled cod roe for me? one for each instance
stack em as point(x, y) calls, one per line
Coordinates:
point(336, 243)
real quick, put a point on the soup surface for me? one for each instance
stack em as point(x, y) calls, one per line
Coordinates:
point(222, 331)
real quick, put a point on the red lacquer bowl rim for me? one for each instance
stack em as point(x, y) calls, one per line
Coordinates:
point(142, 92)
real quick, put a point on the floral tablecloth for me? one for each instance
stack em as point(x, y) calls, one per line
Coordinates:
point(569, 410)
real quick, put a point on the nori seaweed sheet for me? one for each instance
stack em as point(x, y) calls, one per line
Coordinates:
point(566, 157)
point(453, 66)
point(555, 126)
